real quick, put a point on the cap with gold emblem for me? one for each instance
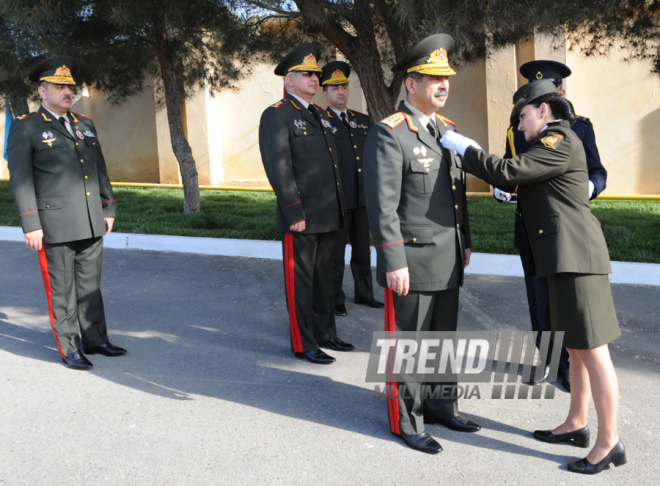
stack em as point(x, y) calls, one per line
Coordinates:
point(302, 58)
point(56, 70)
point(335, 72)
point(430, 56)
point(544, 69)
point(528, 93)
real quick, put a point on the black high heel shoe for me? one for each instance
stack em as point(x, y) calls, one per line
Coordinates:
point(579, 437)
point(616, 456)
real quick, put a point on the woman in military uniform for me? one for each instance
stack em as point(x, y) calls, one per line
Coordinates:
point(566, 244)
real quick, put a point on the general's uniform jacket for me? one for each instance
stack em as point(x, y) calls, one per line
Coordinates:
point(60, 182)
point(300, 158)
point(350, 148)
point(416, 201)
point(552, 180)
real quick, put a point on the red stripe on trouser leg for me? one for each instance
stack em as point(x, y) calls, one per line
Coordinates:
point(43, 266)
point(290, 280)
point(393, 390)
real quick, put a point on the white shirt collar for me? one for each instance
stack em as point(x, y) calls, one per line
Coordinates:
point(423, 119)
point(302, 102)
point(339, 112)
point(67, 123)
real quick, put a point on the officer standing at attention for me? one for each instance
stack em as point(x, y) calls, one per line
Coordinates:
point(352, 128)
point(417, 205)
point(66, 204)
point(300, 158)
point(537, 288)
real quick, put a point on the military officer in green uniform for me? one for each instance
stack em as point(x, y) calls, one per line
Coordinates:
point(416, 200)
point(65, 203)
point(299, 154)
point(352, 128)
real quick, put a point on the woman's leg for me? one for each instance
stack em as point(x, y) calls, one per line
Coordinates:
point(605, 389)
point(580, 396)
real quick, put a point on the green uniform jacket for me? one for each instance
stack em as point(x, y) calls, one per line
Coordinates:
point(300, 158)
point(60, 183)
point(350, 149)
point(416, 201)
point(552, 179)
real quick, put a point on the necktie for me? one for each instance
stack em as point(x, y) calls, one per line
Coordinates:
point(431, 128)
point(344, 120)
point(62, 121)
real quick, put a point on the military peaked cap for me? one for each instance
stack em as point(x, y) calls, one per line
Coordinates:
point(56, 70)
point(429, 56)
point(335, 72)
point(302, 58)
point(543, 69)
point(527, 94)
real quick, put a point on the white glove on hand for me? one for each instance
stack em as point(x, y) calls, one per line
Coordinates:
point(591, 189)
point(501, 195)
point(454, 141)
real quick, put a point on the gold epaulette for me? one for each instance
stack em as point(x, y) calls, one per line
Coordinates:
point(445, 120)
point(582, 118)
point(353, 113)
point(46, 119)
point(19, 118)
point(395, 120)
point(278, 104)
point(74, 115)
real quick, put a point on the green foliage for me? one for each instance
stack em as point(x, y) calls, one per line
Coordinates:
point(631, 228)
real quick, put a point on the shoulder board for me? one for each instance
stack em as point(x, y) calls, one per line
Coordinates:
point(411, 125)
point(582, 119)
point(26, 116)
point(445, 121)
point(74, 115)
point(356, 113)
point(552, 140)
point(395, 120)
point(277, 105)
point(45, 118)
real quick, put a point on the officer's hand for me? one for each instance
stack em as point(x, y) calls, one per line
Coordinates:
point(399, 281)
point(33, 239)
point(468, 254)
point(501, 195)
point(108, 224)
point(298, 227)
point(454, 141)
point(592, 187)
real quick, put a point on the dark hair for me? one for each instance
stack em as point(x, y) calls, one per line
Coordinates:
point(561, 107)
point(418, 77)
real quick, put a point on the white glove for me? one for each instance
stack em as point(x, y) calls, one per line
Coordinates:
point(454, 141)
point(503, 196)
point(591, 189)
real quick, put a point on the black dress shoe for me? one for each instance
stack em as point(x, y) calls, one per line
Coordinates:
point(316, 356)
point(616, 456)
point(579, 437)
point(374, 304)
point(340, 310)
point(422, 442)
point(337, 344)
point(77, 361)
point(107, 349)
point(458, 423)
point(543, 379)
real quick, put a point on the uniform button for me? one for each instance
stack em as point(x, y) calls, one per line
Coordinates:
point(414, 240)
point(456, 206)
point(330, 149)
point(337, 183)
point(541, 232)
point(458, 226)
point(354, 146)
point(47, 206)
point(77, 144)
point(324, 132)
point(89, 193)
point(351, 134)
point(86, 177)
point(93, 143)
point(359, 170)
point(428, 170)
point(453, 188)
point(335, 166)
point(357, 158)
point(82, 161)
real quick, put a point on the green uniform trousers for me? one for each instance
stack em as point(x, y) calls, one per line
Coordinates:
point(72, 278)
point(419, 311)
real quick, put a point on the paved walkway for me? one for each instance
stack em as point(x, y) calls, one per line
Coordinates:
point(210, 393)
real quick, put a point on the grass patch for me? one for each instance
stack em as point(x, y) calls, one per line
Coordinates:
point(631, 228)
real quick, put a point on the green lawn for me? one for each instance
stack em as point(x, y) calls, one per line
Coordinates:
point(632, 228)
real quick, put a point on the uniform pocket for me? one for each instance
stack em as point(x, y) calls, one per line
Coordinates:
point(421, 234)
point(46, 203)
point(424, 173)
point(549, 226)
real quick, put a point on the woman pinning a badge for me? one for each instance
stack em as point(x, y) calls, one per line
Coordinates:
point(566, 245)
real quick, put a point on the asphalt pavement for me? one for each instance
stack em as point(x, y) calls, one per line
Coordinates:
point(210, 393)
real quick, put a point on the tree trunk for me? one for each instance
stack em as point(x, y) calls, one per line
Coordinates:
point(18, 105)
point(180, 146)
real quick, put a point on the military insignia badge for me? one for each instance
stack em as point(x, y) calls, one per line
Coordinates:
point(420, 150)
point(539, 75)
point(80, 135)
point(299, 124)
point(552, 140)
point(425, 162)
point(394, 120)
point(87, 133)
point(48, 138)
point(353, 124)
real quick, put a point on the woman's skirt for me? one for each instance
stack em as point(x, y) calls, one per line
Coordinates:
point(582, 306)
